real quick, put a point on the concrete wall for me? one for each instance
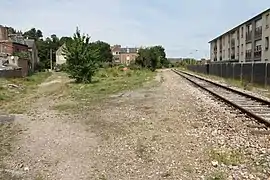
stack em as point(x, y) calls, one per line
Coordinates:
point(23, 63)
point(16, 62)
point(3, 33)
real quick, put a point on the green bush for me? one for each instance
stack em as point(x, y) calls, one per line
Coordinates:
point(82, 60)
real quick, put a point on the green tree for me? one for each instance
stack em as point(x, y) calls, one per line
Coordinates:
point(33, 34)
point(43, 53)
point(103, 50)
point(82, 60)
point(64, 39)
point(152, 57)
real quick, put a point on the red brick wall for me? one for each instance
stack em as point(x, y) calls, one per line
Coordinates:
point(10, 47)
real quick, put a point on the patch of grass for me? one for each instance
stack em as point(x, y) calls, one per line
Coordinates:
point(11, 96)
point(219, 175)
point(24, 85)
point(64, 106)
point(107, 82)
point(227, 157)
point(31, 81)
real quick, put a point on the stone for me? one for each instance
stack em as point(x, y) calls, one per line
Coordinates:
point(215, 163)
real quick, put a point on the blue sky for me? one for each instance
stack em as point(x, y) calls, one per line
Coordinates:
point(181, 26)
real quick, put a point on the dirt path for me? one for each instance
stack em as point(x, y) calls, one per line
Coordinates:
point(51, 146)
point(164, 132)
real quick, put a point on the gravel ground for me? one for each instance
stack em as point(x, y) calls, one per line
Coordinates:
point(172, 131)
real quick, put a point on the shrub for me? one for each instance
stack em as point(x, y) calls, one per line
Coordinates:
point(82, 60)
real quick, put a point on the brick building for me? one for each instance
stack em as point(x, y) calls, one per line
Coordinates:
point(9, 47)
point(13, 66)
point(124, 55)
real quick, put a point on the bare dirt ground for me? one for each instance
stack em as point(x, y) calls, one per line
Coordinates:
point(172, 131)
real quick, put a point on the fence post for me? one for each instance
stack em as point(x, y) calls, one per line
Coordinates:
point(252, 71)
point(226, 74)
point(241, 72)
point(220, 70)
point(265, 75)
point(233, 70)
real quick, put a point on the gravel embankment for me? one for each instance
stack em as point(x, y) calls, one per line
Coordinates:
point(173, 131)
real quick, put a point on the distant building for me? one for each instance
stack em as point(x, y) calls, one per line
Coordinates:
point(124, 55)
point(11, 44)
point(247, 42)
point(60, 58)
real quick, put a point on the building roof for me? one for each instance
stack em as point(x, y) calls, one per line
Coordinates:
point(30, 42)
point(129, 50)
point(254, 17)
point(59, 51)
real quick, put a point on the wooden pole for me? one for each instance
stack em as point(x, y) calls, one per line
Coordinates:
point(51, 59)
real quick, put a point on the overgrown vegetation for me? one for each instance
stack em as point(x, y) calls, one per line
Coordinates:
point(184, 62)
point(82, 61)
point(23, 55)
point(12, 91)
point(235, 82)
point(152, 58)
point(107, 81)
point(227, 157)
point(84, 58)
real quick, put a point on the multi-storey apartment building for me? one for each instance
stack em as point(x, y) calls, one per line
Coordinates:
point(248, 42)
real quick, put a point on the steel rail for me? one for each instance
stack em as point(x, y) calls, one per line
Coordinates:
point(242, 109)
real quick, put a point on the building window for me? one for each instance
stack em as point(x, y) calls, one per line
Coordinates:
point(258, 49)
point(242, 32)
point(266, 43)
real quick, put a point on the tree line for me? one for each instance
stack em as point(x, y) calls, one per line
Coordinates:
point(53, 43)
point(152, 58)
point(84, 58)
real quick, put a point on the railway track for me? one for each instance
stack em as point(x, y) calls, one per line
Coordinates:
point(254, 107)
